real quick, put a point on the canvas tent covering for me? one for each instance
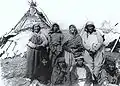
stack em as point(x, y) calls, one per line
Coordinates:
point(14, 42)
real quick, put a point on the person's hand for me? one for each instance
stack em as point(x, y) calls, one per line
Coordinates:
point(38, 46)
point(107, 49)
point(31, 45)
point(95, 47)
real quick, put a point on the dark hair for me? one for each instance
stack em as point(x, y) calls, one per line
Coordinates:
point(58, 30)
point(76, 31)
point(60, 60)
point(86, 28)
point(34, 27)
point(106, 66)
point(109, 61)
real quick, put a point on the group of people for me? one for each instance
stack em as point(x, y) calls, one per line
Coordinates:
point(56, 60)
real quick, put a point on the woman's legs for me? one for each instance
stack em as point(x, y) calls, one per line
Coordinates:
point(30, 59)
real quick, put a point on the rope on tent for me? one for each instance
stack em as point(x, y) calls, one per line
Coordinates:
point(9, 45)
point(14, 46)
point(15, 54)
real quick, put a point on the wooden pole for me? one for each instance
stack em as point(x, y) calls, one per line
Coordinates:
point(115, 44)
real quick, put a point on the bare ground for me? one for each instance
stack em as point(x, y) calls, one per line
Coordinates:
point(14, 71)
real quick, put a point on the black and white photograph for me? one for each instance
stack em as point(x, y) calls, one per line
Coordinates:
point(60, 43)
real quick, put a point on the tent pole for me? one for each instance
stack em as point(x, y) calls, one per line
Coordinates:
point(23, 23)
point(115, 44)
point(19, 22)
point(46, 16)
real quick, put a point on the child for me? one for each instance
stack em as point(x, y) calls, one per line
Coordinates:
point(59, 72)
point(83, 72)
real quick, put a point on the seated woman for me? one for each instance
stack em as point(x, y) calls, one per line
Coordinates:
point(59, 74)
point(37, 56)
point(109, 75)
point(82, 71)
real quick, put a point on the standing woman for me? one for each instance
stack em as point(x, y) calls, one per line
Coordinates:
point(37, 56)
point(55, 43)
point(73, 49)
point(94, 51)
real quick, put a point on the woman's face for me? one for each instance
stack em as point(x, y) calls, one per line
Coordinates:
point(36, 29)
point(90, 28)
point(79, 62)
point(61, 64)
point(55, 28)
point(72, 29)
point(111, 67)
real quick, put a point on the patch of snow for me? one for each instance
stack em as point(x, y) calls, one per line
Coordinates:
point(17, 44)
